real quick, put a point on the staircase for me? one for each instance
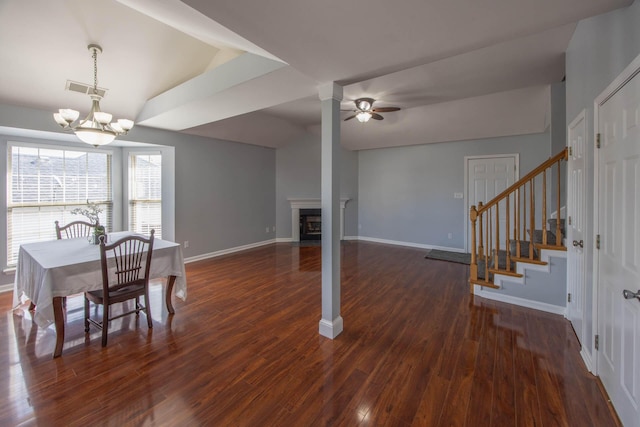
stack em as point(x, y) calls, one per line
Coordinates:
point(514, 226)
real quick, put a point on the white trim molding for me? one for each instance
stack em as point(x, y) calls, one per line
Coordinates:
point(331, 329)
point(297, 204)
point(536, 305)
point(407, 244)
point(228, 251)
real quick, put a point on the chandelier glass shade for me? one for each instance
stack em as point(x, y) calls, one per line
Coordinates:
point(96, 128)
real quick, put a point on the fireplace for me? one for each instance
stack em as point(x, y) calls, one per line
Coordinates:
point(310, 224)
point(300, 205)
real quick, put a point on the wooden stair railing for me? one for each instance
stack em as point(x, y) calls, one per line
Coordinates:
point(500, 228)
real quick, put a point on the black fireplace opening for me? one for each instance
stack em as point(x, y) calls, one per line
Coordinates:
point(310, 224)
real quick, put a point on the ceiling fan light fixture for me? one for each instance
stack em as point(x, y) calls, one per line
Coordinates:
point(95, 129)
point(364, 104)
point(363, 116)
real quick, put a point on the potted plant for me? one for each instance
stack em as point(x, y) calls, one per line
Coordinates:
point(92, 212)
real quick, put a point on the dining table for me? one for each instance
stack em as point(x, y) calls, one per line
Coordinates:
point(49, 271)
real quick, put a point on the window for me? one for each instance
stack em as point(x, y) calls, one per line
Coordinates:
point(46, 184)
point(145, 193)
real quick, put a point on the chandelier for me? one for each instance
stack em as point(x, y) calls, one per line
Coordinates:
point(95, 129)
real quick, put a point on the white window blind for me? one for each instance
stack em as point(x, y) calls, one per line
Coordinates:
point(145, 193)
point(46, 184)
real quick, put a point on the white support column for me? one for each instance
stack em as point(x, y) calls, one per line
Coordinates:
point(330, 96)
point(295, 224)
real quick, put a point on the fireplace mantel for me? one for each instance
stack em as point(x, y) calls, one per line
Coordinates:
point(297, 204)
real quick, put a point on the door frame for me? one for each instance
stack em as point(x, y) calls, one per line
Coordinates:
point(467, 159)
point(581, 117)
point(627, 74)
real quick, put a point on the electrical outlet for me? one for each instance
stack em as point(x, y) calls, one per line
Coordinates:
point(450, 236)
point(458, 195)
point(266, 229)
point(186, 244)
point(273, 228)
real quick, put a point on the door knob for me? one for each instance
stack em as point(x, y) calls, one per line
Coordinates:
point(631, 295)
point(580, 243)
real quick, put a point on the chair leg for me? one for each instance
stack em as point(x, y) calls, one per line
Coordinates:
point(105, 324)
point(138, 306)
point(147, 309)
point(86, 314)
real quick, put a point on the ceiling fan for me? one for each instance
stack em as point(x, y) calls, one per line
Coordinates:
point(365, 111)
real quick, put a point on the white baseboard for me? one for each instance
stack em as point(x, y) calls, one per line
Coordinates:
point(386, 242)
point(536, 305)
point(586, 357)
point(6, 288)
point(408, 244)
point(228, 251)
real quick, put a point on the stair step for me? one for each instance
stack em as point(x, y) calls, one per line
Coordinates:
point(540, 246)
point(511, 273)
point(482, 282)
point(551, 238)
point(524, 248)
point(552, 225)
point(502, 266)
point(529, 261)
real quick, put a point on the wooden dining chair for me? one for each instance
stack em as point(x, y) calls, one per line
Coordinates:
point(125, 276)
point(70, 231)
point(74, 229)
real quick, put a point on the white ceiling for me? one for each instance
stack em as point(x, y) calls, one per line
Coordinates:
point(248, 70)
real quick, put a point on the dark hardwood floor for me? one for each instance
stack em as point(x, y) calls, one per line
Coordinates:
point(244, 350)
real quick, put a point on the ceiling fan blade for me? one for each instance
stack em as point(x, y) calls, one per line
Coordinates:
point(349, 118)
point(376, 116)
point(385, 109)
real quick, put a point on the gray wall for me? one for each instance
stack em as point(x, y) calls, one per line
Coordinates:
point(298, 172)
point(599, 51)
point(224, 191)
point(406, 193)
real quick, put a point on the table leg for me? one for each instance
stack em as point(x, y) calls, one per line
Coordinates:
point(59, 316)
point(170, 281)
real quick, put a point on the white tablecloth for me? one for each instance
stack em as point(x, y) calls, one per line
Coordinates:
point(59, 268)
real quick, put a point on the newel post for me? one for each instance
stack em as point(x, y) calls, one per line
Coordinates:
point(480, 235)
point(473, 268)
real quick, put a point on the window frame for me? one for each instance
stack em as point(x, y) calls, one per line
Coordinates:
point(129, 185)
point(8, 196)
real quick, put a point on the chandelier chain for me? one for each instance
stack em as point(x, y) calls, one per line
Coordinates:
point(95, 71)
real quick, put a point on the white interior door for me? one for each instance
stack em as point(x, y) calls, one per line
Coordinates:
point(486, 178)
point(618, 260)
point(575, 224)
